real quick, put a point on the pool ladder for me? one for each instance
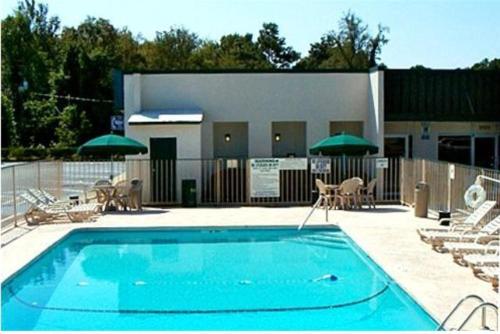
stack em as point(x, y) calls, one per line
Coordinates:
point(482, 306)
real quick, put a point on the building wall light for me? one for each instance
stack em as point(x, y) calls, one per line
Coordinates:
point(227, 137)
point(277, 137)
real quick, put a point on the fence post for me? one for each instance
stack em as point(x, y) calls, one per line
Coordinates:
point(59, 177)
point(401, 180)
point(14, 202)
point(38, 183)
point(218, 180)
point(248, 181)
point(423, 170)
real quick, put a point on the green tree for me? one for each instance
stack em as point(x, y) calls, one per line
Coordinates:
point(72, 127)
point(486, 64)
point(9, 131)
point(274, 47)
point(171, 50)
point(46, 114)
point(129, 51)
point(91, 51)
point(30, 58)
point(240, 52)
point(351, 47)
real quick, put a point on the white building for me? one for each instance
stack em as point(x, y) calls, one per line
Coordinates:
point(449, 115)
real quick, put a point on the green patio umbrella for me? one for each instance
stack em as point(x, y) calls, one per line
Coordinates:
point(112, 145)
point(343, 144)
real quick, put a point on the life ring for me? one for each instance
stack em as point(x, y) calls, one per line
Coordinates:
point(475, 196)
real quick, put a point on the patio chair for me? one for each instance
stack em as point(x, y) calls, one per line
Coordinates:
point(486, 234)
point(472, 221)
point(41, 212)
point(121, 194)
point(347, 191)
point(368, 193)
point(324, 195)
point(135, 194)
point(129, 195)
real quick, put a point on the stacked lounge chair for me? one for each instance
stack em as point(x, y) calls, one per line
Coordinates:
point(484, 235)
point(40, 212)
point(490, 274)
point(474, 220)
point(460, 249)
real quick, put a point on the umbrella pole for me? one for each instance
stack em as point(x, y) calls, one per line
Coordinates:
point(344, 167)
point(111, 175)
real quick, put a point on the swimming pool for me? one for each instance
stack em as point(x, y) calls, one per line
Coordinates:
point(212, 279)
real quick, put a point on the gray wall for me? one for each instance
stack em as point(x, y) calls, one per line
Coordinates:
point(292, 139)
point(256, 98)
point(350, 127)
point(237, 147)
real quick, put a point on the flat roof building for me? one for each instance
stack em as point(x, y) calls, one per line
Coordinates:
point(451, 115)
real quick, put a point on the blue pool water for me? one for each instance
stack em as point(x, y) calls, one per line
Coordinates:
point(242, 279)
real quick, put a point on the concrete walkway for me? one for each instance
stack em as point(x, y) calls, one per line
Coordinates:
point(386, 234)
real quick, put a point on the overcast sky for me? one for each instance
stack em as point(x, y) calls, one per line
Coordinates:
point(434, 33)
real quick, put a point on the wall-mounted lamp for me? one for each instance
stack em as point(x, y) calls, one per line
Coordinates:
point(277, 137)
point(227, 137)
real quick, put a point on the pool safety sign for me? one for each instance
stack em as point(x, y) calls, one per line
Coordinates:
point(382, 163)
point(264, 177)
point(293, 164)
point(320, 165)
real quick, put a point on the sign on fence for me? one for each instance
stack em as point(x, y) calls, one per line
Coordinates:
point(382, 163)
point(320, 165)
point(264, 178)
point(293, 164)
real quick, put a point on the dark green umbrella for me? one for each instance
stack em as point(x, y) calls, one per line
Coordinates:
point(110, 145)
point(344, 144)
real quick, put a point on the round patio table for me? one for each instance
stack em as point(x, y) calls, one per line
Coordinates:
point(109, 194)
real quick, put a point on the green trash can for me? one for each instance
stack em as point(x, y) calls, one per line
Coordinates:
point(189, 193)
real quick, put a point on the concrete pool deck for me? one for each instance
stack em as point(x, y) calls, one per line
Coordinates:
point(386, 234)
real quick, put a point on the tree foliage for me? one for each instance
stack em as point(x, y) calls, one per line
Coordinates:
point(487, 64)
point(350, 47)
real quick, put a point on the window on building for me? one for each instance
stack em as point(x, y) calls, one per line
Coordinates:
point(484, 152)
point(395, 147)
point(455, 149)
point(351, 127)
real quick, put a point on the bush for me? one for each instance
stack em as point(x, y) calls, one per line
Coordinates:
point(63, 153)
point(39, 153)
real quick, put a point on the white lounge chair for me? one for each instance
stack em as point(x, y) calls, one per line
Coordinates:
point(460, 249)
point(45, 197)
point(477, 262)
point(41, 212)
point(473, 220)
point(484, 235)
point(491, 274)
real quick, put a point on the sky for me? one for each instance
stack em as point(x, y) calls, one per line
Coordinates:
point(433, 33)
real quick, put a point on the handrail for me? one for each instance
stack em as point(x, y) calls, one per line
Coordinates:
point(476, 297)
point(486, 178)
point(311, 212)
point(483, 307)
